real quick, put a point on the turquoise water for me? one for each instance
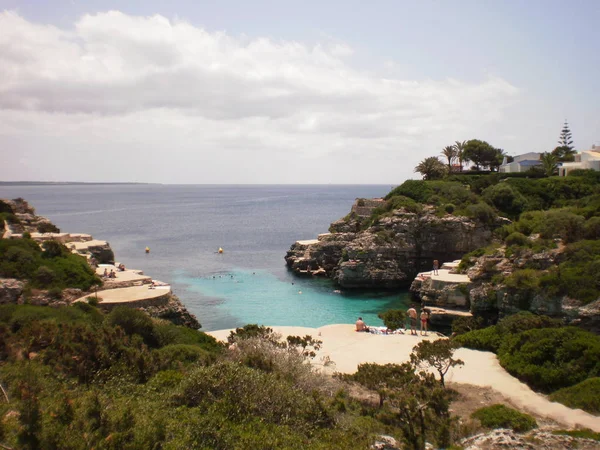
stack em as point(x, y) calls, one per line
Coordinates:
point(260, 297)
point(184, 226)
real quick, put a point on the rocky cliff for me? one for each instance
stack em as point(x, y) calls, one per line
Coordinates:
point(12, 291)
point(501, 283)
point(390, 252)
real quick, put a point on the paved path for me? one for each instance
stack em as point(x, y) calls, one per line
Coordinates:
point(129, 294)
point(126, 276)
point(347, 349)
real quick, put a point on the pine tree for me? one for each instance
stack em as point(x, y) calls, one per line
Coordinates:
point(565, 151)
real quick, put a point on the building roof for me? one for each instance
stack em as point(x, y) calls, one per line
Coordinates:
point(529, 162)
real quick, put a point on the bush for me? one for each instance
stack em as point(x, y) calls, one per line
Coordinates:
point(133, 322)
point(47, 227)
point(563, 224)
point(177, 355)
point(500, 416)
point(551, 358)
point(518, 239)
point(418, 190)
point(505, 198)
point(584, 433)
point(487, 339)
point(449, 208)
point(584, 395)
point(523, 280)
point(482, 212)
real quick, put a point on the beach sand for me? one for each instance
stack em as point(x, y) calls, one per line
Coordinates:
point(346, 349)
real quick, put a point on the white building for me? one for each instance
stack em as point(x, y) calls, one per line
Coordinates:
point(589, 159)
point(521, 163)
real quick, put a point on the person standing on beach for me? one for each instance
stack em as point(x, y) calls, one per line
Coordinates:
point(412, 314)
point(436, 266)
point(424, 317)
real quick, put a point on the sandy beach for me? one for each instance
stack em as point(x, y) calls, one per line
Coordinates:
point(347, 348)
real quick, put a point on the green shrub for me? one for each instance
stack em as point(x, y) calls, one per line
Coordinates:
point(505, 198)
point(133, 322)
point(418, 190)
point(584, 433)
point(500, 416)
point(177, 355)
point(449, 208)
point(592, 228)
point(584, 395)
point(551, 358)
point(485, 339)
point(563, 224)
point(517, 239)
point(482, 212)
point(524, 279)
point(47, 227)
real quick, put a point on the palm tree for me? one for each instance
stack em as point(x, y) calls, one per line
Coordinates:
point(460, 153)
point(549, 163)
point(451, 153)
point(431, 168)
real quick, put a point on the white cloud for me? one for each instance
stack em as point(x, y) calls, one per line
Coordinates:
point(217, 108)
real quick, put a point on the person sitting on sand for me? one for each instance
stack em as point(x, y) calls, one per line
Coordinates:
point(412, 314)
point(361, 326)
point(112, 274)
point(121, 267)
point(105, 274)
point(424, 317)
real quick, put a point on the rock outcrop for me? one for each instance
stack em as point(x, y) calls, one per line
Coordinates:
point(14, 291)
point(390, 252)
point(542, 439)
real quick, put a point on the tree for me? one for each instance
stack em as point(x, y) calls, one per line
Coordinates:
point(383, 379)
point(451, 153)
point(565, 151)
point(431, 168)
point(549, 163)
point(482, 154)
point(393, 319)
point(436, 354)
point(460, 153)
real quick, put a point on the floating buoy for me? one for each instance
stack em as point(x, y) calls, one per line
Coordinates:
point(220, 250)
point(147, 249)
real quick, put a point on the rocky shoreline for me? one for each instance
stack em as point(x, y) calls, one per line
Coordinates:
point(397, 250)
point(389, 253)
point(97, 253)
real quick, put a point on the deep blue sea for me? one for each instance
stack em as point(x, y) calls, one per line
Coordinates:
point(184, 225)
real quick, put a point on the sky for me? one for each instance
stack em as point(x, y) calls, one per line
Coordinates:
point(286, 92)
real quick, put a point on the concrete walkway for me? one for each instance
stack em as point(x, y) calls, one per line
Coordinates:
point(347, 348)
point(129, 294)
point(445, 276)
point(126, 276)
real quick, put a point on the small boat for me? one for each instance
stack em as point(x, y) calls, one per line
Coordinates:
point(147, 249)
point(220, 250)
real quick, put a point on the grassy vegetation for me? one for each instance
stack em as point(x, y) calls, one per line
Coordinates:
point(545, 355)
point(51, 267)
point(584, 395)
point(500, 416)
point(77, 379)
point(586, 433)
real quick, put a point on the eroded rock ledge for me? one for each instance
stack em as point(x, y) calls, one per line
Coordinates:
point(13, 291)
point(389, 253)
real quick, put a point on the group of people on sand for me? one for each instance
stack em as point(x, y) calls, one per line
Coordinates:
point(108, 274)
point(412, 316)
point(424, 319)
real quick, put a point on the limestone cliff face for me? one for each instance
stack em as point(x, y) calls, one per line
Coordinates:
point(390, 252)
point(493, 299)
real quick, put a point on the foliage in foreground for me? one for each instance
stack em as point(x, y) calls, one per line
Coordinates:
point(584, 395)
point(500, 416)
point(538, 351)
point(79, 379)
point(52, 267)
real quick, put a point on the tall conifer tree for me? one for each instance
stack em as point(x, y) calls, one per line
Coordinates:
point(565, 151)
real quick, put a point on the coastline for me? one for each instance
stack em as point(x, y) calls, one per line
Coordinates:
point(346, 349)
